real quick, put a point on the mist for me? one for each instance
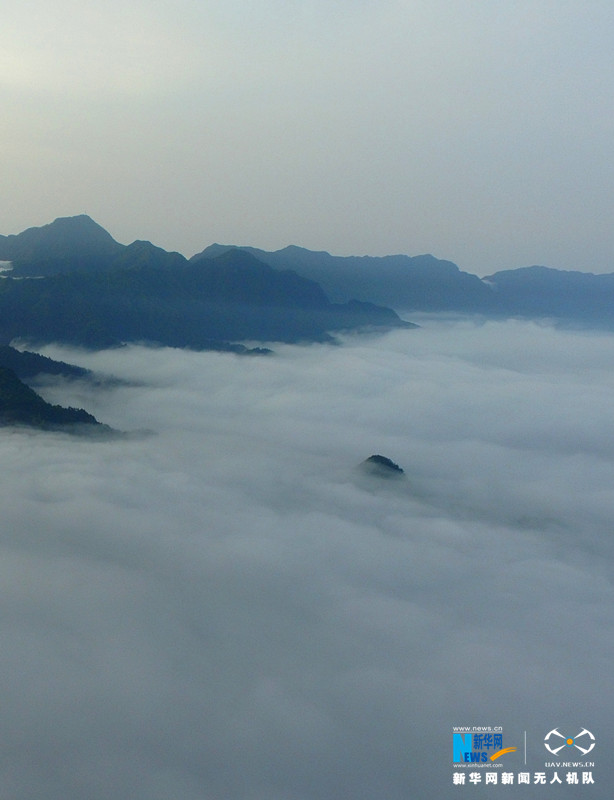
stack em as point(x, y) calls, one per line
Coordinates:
point(224, 607)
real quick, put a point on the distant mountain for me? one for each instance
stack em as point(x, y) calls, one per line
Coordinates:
point(142, 254)
point(21, 405)
point(72, 282)
point(428, 284)
point(142, 293)
point(77, 244)
point(66, 245)
point(419, 283)
point(570, 296)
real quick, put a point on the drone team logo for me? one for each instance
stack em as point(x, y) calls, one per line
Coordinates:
point(555, 742)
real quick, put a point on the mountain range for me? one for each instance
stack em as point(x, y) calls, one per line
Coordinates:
point(71, 282)
point(93, 291)
point(427, 284)
point(419, 283)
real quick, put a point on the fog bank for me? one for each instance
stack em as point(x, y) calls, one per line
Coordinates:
point(225, 609)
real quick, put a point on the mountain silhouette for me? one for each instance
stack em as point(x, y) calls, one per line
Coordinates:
point(28, 365)
point(73, 283)
point(66, 245)
point(92, 291)
point(405, 283)
point(543, 292)
point(21, 405)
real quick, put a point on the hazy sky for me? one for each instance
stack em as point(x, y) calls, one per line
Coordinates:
point(224, 609)
point(479, 131)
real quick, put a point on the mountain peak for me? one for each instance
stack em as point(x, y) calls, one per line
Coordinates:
point(382, 467)
point(78, 231)
point(75, 219)
point(78, 240)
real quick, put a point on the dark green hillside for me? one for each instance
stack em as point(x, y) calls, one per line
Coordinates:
point(20, 405)
point(206, 304)
point(28, 365)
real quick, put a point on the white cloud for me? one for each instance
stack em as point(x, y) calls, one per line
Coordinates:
point(224, 609)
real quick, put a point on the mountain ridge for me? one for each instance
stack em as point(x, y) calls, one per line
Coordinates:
point(20, 405)
point(406, 283)
point(142, 293)
point(71, 282)
point(236, 300)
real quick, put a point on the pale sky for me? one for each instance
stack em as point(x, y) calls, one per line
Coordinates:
point(477, 130)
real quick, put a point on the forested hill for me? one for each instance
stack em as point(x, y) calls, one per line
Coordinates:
point(28, 365)
point(143, 293)
point(428, 284)
point(71, 281)
point(21, 405)
point(421, 283)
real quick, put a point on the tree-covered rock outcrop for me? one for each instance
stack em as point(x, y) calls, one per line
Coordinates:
point(28, 365)
point(21, 405)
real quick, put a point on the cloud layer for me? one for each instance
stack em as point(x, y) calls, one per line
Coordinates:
point(224, 608)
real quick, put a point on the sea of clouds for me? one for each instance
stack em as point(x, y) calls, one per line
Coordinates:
point(220, 607)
